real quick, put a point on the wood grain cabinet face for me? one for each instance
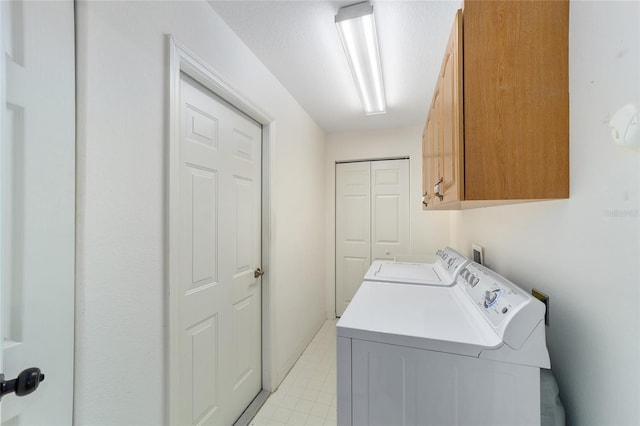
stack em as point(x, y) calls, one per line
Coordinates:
point(427, 164)
point(451, 117)
point(503, 105)
point(432, 157)
point(442, 139)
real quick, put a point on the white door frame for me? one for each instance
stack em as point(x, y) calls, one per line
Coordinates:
point(181, 59)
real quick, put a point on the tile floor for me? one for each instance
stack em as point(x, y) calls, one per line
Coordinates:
point(307, 396)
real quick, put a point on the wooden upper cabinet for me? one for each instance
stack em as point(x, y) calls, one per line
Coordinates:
point(431, 154)
point(427, 156)
point(503, 105)
point(443, 178)
point(450, 83)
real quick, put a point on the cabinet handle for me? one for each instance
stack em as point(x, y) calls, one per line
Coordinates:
point(436, 190)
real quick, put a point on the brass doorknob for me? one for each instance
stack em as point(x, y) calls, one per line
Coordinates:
point(258, 273)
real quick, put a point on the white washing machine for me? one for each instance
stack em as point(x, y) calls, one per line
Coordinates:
point(442, 272)
point(424, 355)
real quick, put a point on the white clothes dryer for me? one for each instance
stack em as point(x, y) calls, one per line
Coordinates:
point(442, 272)
point(425, 355)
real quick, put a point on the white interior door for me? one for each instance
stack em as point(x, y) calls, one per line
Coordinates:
point(220, 211)
point(37, 206)
point(353, 229)
point(372, 220)
point(389, 209)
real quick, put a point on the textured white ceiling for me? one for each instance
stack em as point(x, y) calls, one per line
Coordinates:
point(298, 42)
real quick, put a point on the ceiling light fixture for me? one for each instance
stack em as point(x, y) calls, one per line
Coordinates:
point(357, 30)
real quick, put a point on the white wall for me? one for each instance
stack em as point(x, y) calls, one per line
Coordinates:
point(122, 90)
point(429, 231)
point(584, 252)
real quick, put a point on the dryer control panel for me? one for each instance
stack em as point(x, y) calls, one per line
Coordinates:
point(511, 311)
point(451, 260)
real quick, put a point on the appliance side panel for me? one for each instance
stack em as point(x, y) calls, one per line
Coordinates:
point(399, 385)
point(384, 384)
point(343, 348)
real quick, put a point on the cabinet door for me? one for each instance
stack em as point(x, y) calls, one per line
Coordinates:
point(443, 138)
point(435, 149)
point(450, 105)
point(436, 178)
point(425, 166)
point(516, 100)
point(428, 163)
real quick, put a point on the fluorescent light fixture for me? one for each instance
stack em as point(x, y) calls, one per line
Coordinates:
point(357, 30)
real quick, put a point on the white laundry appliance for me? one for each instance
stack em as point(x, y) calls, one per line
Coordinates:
point(425, 355)
point(442, 272)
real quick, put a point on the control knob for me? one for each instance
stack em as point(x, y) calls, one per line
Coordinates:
point(464, 273)
point(472, 279)
point(490, 298)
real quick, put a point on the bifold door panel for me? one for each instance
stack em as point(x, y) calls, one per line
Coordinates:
point(372, 220)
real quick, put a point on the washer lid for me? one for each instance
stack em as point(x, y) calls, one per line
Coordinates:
point(424, 317)
point(442, 272)
point(408, 273)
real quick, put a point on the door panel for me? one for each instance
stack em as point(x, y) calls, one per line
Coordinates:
point(356, 207)
point(203, 233)
point(354, 269)
point(220, 155)
point(387, 231)
point(203, 349)
point(353, 229)
point(244, 349)
point(37, 206)
point(390, 209)
point(372, 220)
point(246, 294)
point(243, 190)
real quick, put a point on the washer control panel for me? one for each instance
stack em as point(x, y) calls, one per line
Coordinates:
point(451, 260)
point(497, 298)
point(513, 313)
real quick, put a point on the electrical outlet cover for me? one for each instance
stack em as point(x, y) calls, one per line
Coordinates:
point(478, 253)
point(544, 299)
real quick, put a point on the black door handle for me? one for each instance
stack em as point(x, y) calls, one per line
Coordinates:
point(24, 384)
